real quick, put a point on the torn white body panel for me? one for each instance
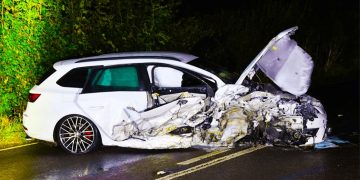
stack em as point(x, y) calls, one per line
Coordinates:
point(234, 116)
point(236, 125)
point(105, 106)
point(284, 62)
point(288, 65)
point(163, 99)
point(159, 121)
point(251, 68)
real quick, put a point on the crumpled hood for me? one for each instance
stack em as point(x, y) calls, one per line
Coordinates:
point(285, 63)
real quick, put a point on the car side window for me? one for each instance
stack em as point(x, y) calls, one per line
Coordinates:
point(75, 78)
point(120, 78)
point(46, 75)
point(170, 77)
point(167, 77)
point(191, 81)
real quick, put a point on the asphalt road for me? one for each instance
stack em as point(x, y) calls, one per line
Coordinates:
point(41, 161)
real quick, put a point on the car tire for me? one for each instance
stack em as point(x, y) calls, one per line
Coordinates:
point(76, 134)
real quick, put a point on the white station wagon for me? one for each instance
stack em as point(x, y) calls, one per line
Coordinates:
point(160, 100)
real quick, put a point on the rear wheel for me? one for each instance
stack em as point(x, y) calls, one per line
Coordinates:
point(77, 135)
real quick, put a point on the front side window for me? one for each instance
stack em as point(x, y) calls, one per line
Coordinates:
point(170, 77)
point(123, 78)
point(167, 77)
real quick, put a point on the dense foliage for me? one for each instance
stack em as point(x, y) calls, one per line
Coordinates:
point(30, 38)
point(36, 33)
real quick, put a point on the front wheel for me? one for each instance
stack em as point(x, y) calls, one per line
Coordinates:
point(77, 135)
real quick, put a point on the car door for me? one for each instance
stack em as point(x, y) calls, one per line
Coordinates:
point(169, 83)
point(108, 91)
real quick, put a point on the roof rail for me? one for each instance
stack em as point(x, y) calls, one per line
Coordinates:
point(125, 57)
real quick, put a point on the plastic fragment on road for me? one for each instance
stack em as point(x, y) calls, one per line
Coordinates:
point(330, 142)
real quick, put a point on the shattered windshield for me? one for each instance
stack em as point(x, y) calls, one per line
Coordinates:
point(223, 73)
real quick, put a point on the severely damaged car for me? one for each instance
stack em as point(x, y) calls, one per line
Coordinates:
point(163, 100)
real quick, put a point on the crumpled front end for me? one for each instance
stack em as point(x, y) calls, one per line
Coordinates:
point(263, 117)
point(237, 113)
point(233, 115)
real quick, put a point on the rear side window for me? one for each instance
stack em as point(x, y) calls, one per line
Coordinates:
point(46, 75)
point(74, 78)
point(123, 78)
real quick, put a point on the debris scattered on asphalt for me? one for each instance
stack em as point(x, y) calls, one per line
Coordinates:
point(330, 142)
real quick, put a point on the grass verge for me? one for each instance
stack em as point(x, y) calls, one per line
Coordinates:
point(11, 133)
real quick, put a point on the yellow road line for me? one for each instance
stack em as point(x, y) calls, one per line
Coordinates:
point(210, 163)
point(202, 157)
point(15, 147)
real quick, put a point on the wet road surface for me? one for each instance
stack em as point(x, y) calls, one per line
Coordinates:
point(42, 161)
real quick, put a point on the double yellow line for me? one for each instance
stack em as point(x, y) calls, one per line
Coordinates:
point(209, 163)
point(190, 161)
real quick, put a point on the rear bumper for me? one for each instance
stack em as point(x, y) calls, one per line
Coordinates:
point(36, 125)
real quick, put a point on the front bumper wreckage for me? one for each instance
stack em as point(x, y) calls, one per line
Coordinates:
point(234, 115)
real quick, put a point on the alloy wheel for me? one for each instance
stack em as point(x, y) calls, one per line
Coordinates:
point(77, 134)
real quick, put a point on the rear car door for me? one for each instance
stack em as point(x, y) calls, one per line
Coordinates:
point(108, 91)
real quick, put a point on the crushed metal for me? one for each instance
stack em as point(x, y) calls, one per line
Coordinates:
point(246, 114)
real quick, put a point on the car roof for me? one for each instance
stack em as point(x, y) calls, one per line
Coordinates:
point(177, 56)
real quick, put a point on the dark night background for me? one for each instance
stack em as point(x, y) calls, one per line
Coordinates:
point(328, 31)
point(227, 32)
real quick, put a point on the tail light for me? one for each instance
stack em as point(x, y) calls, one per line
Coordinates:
point(33, 97)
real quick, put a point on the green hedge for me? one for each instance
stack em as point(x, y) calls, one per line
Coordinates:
point(29, 36)
point(36, 33)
